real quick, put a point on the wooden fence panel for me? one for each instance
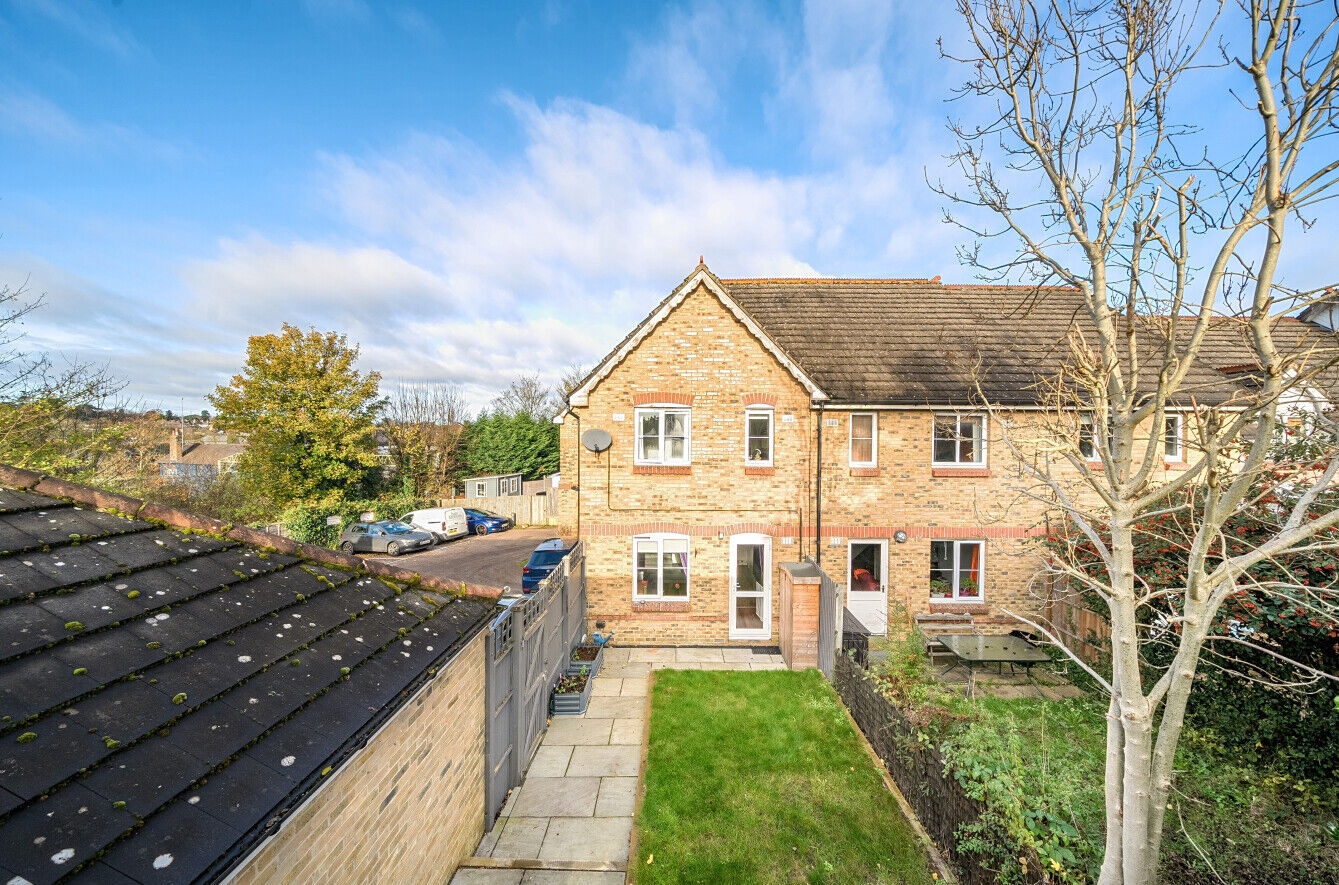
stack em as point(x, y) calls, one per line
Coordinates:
point(522, 509)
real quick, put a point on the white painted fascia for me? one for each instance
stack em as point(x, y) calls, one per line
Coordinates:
point(581, 396)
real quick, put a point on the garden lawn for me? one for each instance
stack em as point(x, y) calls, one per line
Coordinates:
point(755, 777)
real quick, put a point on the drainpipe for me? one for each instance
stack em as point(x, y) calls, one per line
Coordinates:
point(818, 495)
point(573, 413)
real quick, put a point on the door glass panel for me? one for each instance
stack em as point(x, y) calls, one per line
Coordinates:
point(749, 577)
point(748, 613)
point(866, 568)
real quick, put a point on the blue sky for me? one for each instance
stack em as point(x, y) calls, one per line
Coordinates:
point(469, 190)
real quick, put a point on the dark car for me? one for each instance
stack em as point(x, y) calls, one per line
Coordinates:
point(481, 522)
point(387, 536)
point(544, 560)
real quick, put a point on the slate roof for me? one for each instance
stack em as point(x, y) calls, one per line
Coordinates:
point(922, 342)
point(169, 696)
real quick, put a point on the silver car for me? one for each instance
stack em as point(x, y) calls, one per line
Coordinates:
point(388, 536)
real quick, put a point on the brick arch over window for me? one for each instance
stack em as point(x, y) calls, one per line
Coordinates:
point(673, 399)
point(757, 399)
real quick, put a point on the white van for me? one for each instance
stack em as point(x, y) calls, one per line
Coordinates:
point(445, 523)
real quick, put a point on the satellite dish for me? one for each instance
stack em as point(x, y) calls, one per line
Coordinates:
point(596, 440)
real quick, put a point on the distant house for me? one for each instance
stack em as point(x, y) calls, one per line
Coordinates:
point(201, 462)
point(494, 486)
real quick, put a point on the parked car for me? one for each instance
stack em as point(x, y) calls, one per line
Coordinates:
point(444, 523)
point(543, 561)
point(388, 536)
point(482, 522)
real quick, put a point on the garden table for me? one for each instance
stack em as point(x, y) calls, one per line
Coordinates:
point(975, 650)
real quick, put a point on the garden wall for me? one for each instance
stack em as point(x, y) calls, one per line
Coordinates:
point(940, 803)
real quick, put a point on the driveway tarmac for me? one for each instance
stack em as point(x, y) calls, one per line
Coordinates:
point(492, 560)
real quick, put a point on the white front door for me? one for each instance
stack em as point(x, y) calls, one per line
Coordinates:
point(750, 587)
point(867, 584)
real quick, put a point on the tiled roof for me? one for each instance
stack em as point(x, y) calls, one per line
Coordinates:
point(169, 696)
point(921, 342)
point(210, 453)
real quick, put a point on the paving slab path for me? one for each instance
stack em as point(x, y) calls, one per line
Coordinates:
point(570, 820)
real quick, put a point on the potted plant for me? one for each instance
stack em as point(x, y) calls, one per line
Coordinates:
point(572, 694)
point(586, 657)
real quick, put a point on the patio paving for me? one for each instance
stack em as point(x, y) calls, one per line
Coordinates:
point(575, 806)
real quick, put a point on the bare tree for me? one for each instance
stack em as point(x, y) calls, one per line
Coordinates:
point(53, 416)
point(527, 395)
point(1089, 182)
point(571, 379)
point(425, 424)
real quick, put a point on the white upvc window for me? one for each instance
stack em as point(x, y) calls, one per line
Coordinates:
point(1087, 439)
point(864, 439)
point(956, 570)
point(660, 566)
point(758, 437)
point(1175, 438)
point(959, 440)
point(664, 436)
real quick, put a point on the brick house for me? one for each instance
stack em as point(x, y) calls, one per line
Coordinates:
point(753, 422)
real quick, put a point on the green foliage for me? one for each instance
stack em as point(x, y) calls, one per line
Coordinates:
point(308, 524)
point(1289, 607)
point(501, 443)
point(309, 417)
point(1038, 765)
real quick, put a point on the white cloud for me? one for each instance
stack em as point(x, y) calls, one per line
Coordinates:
point(255, 285)
point(30, 115)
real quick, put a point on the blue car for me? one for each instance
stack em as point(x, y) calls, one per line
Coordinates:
point(481, 523)
point(544, 560)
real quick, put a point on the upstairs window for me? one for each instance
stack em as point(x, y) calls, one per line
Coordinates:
point(663, 436)
point(960, 439)
point(660, 567)
point(864, 440)
point(1173, 438)
point(955, 569)
point(758, 437)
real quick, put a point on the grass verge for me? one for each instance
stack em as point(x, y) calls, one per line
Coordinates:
point(759, 777)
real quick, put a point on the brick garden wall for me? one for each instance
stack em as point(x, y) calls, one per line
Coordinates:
point(407, 808)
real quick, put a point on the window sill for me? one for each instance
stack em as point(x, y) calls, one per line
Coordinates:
point(1094, 465)
point(661, 605)
point(758, 470)
point(960, 606)
point(663, 469)
point(946, 470)
point(864, 471)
